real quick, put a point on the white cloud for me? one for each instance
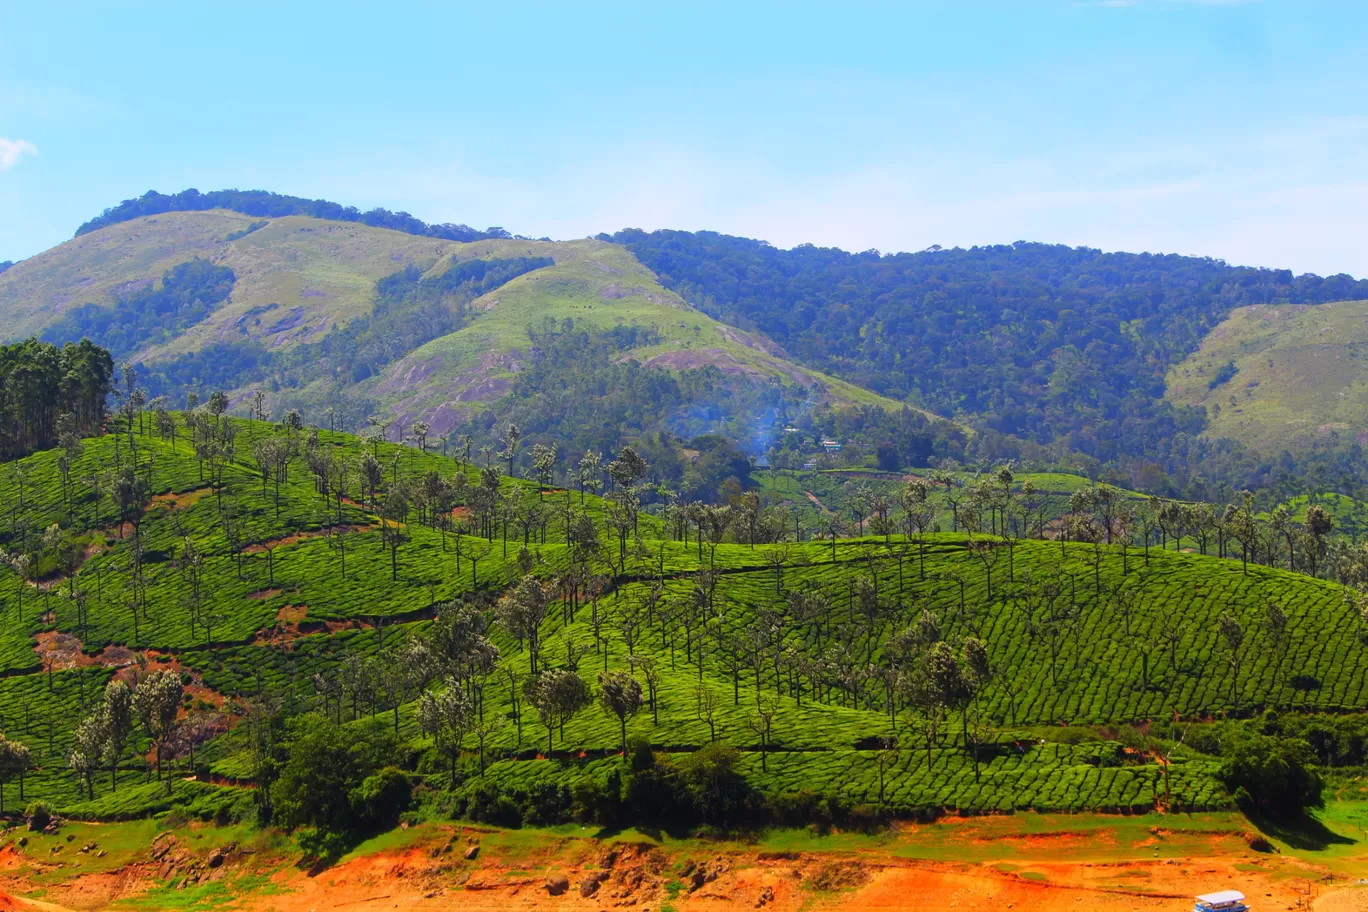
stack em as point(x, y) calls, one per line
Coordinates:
point(11, 150)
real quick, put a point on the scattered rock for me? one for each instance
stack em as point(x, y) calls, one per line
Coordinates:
point(766, 897)
point(471, 852)
point(590, 885)
point(557, 884)
point(23, 841)
point(706, 873)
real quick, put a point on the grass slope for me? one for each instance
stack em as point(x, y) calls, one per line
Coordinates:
point(299, 277)
point(1302, 373)
point(1129, 637)
point(317, 274)
point(599, 285)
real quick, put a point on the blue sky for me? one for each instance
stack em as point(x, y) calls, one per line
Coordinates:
point(1230, 129)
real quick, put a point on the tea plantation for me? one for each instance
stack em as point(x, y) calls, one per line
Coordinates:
point(503, 638)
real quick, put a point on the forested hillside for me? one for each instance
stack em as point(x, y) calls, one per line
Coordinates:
point(359, 326)
point(1064, 348)
point(1055, 358)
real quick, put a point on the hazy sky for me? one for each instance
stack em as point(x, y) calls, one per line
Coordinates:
point(1231, 129)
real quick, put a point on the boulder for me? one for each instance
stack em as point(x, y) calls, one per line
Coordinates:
point(590, 885)
point(557, 884)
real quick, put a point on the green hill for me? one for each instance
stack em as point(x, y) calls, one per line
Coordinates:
point(297, 284)
point(1281, 376)
point(318, 274)
point(804, 655)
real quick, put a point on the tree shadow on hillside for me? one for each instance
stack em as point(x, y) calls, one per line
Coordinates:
point(656, 833)
point(1302, 831)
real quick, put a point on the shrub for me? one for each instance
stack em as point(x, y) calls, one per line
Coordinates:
point(484, 803)
point(866, 818)
point(323, 843)
point(1270, 774)
point(718, 792)
point(39, 814)
point(380, 799)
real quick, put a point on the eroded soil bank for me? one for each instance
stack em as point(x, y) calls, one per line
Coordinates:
point(1026, 863)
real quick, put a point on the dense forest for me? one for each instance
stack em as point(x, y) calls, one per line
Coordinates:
point(1064, 348)
point(274, 205)
point(51, 396)
point(698, 427)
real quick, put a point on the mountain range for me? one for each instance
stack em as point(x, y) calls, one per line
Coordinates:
point(1171, 371)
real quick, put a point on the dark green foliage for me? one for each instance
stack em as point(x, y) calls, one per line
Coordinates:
point(716, 789)
point(338, 781)
point(1224, 375)
point(275, 205)
point(578, 392)
point(38, 814)
point(1032, 341)
point(239, 235)
point(39, 381)
point(1335, 741)
point(1268, 773)
point(409, 311)
point(381, 798)
point(149, 316)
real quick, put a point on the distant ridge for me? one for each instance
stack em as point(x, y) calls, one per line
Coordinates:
point(264, 204)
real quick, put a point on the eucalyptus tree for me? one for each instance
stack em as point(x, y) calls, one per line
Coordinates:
point(509, 440)
point(447, 716)
point(544, 466)
point(419, 434)
point(588, 472)
point(458, 647)
point(650, 672)
point(118, 714)
point(15, 760)
point(522, 613)
point(620, 697)
point(156, 702)
point(557, 695)
point(918, 515)
point(394, 523)
point(84, 755)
